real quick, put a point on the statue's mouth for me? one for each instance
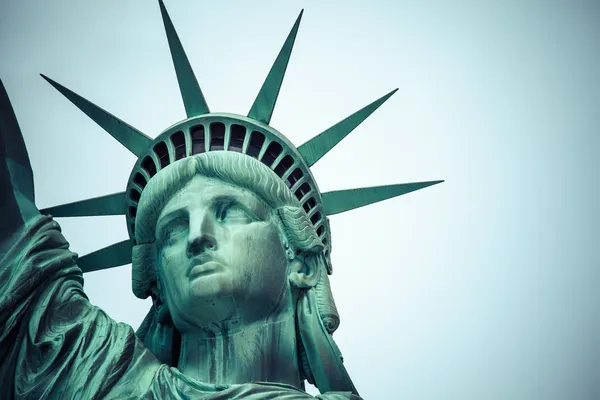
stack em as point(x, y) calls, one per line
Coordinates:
point(205, 268)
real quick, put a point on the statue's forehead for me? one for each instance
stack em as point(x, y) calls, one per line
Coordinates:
point(204, 189)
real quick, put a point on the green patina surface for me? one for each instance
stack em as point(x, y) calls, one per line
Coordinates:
point(229, 236)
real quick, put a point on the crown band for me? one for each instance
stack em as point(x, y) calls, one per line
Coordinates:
point(230, 132)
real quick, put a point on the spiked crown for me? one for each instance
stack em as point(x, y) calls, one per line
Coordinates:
point(203, 131)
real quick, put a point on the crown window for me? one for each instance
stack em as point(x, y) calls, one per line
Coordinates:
point(236, 142)
point(135, 195)
point(198, 139)
point(256, 143)
point(139, 180)
point(178, 141)
point(284, 165)
point(163, 154)
point(149, 166)
point(294, 177)
point(309, 204)
point(302, 190)
point(271, 154)
point(217, 136)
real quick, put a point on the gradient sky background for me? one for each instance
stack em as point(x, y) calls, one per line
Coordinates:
point(483, 287)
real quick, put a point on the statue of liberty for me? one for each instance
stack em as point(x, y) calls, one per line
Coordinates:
point(229, 236)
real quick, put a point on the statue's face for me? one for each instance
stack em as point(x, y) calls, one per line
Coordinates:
point(220, 256)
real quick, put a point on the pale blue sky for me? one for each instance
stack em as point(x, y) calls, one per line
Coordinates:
point(483, 287)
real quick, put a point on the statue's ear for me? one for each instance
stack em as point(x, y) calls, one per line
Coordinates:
point(304, 270)
point(143, 269)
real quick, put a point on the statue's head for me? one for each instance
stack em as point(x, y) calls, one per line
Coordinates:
point(223, 242)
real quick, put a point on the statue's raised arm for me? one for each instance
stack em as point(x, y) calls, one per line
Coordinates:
point(48, 330)
point(228, 234)
point(53, 343)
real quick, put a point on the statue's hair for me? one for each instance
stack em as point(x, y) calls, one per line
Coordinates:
point(230, 167)
point(302, 237)
point(242, 171)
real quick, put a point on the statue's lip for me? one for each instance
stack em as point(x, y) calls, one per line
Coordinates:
point(205, 268)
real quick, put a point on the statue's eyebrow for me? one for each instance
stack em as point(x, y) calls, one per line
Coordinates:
point(254, 204)
point(170, 217)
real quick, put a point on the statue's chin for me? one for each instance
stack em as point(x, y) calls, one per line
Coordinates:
point(207, 303)
point(209, 285)
point(216, 299)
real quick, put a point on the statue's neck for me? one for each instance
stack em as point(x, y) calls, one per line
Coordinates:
point(263, 351)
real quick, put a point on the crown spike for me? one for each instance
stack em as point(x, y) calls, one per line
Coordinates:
point(317, 147)
point(263, 106)
point(111, 204)
point(134, 140)
point(344, 200)
point(111, 256)
point(193, 99)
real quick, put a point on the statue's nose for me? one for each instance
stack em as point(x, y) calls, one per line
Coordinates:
point(201, 244)
point(201, 234)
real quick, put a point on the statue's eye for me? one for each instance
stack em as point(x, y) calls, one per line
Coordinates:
point(175, 230)
point(232, 212)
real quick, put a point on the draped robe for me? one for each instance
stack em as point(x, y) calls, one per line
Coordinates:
point(54, 344)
